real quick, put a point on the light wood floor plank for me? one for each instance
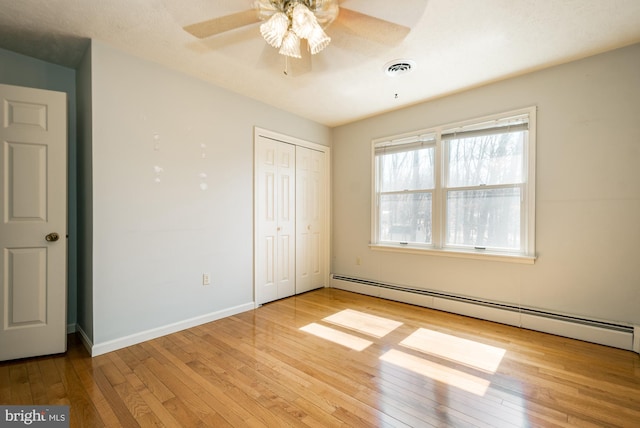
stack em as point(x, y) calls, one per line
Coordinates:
point(324, 359)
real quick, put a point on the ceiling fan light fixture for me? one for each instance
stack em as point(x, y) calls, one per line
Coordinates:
point(290, 45)
point(274, 30)
point(318, 40)
point(287, 22)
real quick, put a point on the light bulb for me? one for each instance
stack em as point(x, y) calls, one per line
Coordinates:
point(318, 40)
point(303, 21)
point(274, 29)
point(291, 45)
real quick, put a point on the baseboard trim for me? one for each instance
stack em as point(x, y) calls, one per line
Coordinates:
point(72, 328)
point(133, 339)
point(88, 344)
point(629, 340)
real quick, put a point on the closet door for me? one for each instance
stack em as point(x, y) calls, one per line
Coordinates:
point(310, 209)
point(275, 219)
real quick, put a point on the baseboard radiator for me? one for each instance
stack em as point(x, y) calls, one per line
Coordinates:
point(604, 333)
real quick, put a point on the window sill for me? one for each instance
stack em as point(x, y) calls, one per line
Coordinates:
point(461, 254)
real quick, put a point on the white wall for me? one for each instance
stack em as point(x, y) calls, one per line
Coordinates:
point(152, 241)
point(588, 193)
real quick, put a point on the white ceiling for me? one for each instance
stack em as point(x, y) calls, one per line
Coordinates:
point(456, 44)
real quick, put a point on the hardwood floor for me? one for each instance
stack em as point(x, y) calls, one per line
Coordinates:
point(333, 358)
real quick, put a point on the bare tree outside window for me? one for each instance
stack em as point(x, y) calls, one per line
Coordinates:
point(406, 183)
point(489, 171)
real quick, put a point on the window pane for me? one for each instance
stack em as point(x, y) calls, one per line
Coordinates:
point(489, 159)
point(410, 170)
point(405, 218)
point(484, 218)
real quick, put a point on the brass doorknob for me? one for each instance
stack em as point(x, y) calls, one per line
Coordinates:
point(52, 237)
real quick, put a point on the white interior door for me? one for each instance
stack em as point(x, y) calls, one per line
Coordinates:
point(310, 210)
point(275, 220)
point(33, 183)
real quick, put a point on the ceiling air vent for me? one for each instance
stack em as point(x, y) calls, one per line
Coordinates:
point(399, 66)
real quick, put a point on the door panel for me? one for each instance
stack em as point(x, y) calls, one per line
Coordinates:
point(26, 179)
point(318, 212)
point(26, 271)
point(33, 203)
point(286, 227)
point(309, 219)
point(266, 222)
point(26, 115)
point(275, 220)
point(303, 218)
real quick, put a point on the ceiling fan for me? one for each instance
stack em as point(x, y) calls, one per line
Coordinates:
point(286, 24)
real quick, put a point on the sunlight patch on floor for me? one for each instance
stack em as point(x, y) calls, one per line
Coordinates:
point(468, 352)
point(336, 336)
point(368, 324)
point(437, 372)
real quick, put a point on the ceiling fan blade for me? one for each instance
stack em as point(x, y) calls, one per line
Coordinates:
point(219, 25)
point(370, 27)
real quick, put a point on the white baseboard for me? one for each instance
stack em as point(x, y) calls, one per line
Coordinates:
point(133, 339)
point(88, 344)
point(478, 311)
point(588, 333)
point(71, 328)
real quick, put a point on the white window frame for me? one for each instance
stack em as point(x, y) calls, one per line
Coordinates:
point(438, 247)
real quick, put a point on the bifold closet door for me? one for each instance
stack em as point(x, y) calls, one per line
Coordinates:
point(310, 209)
point(275, 219)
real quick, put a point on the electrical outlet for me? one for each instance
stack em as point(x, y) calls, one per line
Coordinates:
point(206, 279)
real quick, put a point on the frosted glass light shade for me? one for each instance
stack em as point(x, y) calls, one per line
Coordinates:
point(318, 40)
point(290, 45)
point(326, 11)
point(275, 29)
point(303, 21)
point(285, 28)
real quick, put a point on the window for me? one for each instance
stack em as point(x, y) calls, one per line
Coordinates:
point(464, 188)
